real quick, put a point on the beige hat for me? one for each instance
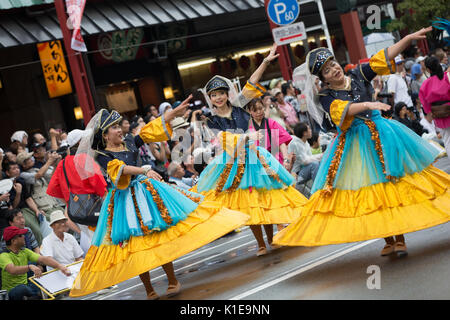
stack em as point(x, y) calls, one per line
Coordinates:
point(56, 216)
point(275, 91)
point(21, 157)
point(179, 122)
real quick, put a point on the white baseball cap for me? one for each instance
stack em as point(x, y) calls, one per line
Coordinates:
point(75, 136)
point(419, 59)
point(399, 59)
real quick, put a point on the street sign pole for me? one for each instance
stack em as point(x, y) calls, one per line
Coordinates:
point(284, 58)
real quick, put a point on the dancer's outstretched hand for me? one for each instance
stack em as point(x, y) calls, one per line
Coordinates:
point(178, 111)
point(272, 54)
point(421, 34)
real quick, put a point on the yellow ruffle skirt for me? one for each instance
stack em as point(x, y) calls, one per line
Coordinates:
point(107, 265)
point(413, 203)
point(276, 206)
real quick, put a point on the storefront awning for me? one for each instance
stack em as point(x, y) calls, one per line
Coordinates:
point(25, 28)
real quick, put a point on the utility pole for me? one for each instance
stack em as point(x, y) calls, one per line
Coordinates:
point(77, 67)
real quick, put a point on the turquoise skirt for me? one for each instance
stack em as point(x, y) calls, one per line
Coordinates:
point(403, 150)
point(136, 200)
point(255, 174)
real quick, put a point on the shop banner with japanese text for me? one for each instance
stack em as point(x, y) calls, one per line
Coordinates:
point(54, 68)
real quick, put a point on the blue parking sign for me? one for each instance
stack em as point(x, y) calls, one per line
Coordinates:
point(283, 12)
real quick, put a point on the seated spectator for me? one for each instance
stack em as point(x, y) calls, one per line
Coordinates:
point(163, 107)
point(407, 116)
point(59, 244)
point(271, 109)
point(202, 157)
point(290, 96)
point(443, 58)
point(38, 139)
point(306, 164)
point(125, 125)
point(176, 175)
point(39, 154)
point(19, 138)
point(189, 169)
point(20, 198)
point(38, 180)
point(16, 219)
point(290, 116)
point(398, 86)
point(15, 264)
point(10, 156)
point(314, 142)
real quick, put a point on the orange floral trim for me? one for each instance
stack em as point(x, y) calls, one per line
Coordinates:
point(334, 166)
point(267, 168)
point(159, 203)
point(240, 152)
point(223, 177)
point(194, 199)
point(110, 216)
point(144, 228)
point(376, 138)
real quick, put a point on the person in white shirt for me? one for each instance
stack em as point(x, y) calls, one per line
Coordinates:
point(176, 175)
point(397, 84)
point(306, 164)
point(60, 245)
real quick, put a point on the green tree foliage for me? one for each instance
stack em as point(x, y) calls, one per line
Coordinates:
point(417, 14)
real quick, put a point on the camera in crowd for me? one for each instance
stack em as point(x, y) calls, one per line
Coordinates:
point(385, 95)
point(63, 151)
point(198, 104)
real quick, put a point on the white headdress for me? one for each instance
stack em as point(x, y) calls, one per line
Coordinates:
point(306, 82)
point(85, 157)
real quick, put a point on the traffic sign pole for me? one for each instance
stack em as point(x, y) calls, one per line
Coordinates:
point(284, 58)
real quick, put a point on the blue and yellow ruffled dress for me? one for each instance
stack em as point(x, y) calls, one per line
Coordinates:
point(249, 179)
point(375, 180)
point(145, 223)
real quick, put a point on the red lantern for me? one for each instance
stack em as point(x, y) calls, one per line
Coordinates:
point(312, 45)
point(229, 65)
point(244, 62)
point(299, 51)
point(259, 57)
point(215, 67)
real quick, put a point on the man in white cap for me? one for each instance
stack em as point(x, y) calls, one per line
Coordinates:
point(59, 244)
point(397, 84)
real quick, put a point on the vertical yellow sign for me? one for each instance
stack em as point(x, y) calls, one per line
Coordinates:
point(54, 68)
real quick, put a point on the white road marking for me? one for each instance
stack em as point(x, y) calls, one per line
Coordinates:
point(304, 267)
point(182, 268)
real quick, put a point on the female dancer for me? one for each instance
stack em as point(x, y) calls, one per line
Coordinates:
point(144, 223)
point(376, 179)
point(434, 95)
point(246, 177)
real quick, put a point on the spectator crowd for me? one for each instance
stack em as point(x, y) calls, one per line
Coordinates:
point(35, 224)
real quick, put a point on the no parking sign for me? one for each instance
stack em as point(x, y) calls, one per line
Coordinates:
point(283, 12)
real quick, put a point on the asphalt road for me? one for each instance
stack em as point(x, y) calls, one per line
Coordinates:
point(228, 269)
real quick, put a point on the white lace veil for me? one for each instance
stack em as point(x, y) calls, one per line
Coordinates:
point(306, 82)
point(233, 94)
point(85, 157)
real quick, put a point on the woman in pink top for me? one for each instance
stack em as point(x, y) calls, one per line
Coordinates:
point(291, 118)
point(273, 132)
point(436, 91)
